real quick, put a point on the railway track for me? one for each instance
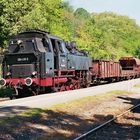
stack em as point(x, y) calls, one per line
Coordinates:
point(4, 99)
point(91, 133)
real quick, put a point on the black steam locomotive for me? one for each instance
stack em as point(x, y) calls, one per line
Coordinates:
point(38, 62)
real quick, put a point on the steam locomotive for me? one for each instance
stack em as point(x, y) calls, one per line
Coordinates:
point(38, 62)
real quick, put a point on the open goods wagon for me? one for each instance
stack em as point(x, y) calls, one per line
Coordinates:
point(105, 70)
point(130, 67)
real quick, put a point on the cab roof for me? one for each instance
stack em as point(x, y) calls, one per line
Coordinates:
point(35, 33)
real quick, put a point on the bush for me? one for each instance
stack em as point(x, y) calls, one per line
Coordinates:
point(6, 92)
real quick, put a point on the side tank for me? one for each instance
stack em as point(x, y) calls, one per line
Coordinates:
point(78, 60)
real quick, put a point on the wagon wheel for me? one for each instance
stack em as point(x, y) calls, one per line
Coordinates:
point(69, 86)
point(77, 85)
point(62, 88)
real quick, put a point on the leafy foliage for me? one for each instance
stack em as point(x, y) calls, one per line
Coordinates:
point(105, 35)
point(6, 92)
point(82, 13)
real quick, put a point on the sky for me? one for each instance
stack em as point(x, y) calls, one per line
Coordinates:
point(129, 8)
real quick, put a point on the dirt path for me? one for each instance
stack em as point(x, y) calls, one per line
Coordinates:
point(66, 121)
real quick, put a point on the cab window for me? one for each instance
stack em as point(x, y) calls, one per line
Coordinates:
point(46, 45)
point(60, 47)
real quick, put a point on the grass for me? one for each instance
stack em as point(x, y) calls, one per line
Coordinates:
point(75, 104)
point(33, 112)
point(9, 120)
point(137, 85)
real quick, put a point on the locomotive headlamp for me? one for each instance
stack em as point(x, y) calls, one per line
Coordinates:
point(19, 42)
point(8, 74)
point(28, 81)
point(34, 73)
point(2, 82)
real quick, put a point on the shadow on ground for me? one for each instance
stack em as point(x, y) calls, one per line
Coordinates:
point(131, 101)
point(54, 125)
point(47, 125)
point(123, 129)
point(11, 111)
point(126, 128)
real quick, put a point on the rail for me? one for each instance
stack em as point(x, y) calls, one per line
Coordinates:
point(83, 136)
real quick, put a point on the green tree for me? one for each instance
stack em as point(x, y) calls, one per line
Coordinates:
point(11, 14)
point(82, 13)
point(105, 35)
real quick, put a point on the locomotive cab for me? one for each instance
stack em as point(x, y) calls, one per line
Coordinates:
point(25, 52)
